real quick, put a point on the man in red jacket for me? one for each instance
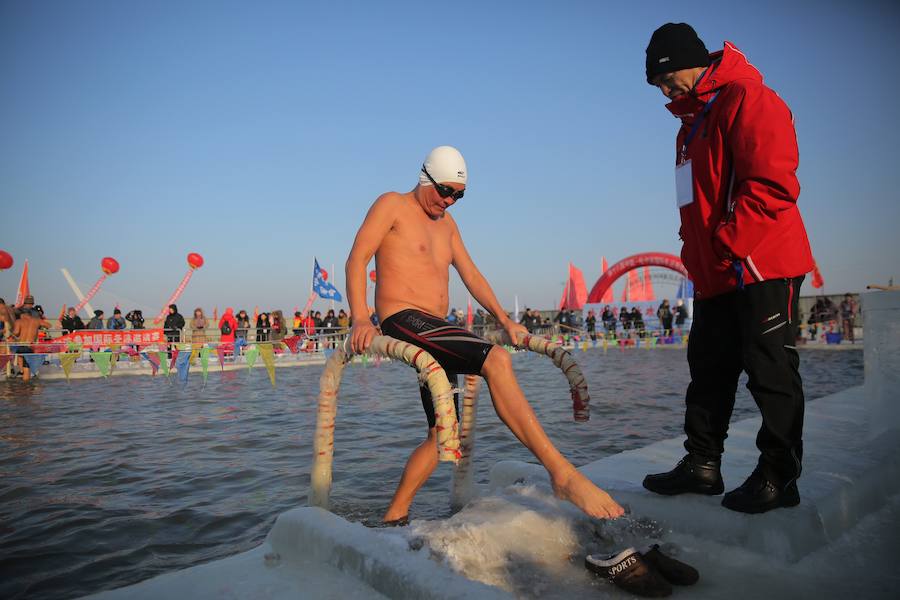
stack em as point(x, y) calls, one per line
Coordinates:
point(746, 250)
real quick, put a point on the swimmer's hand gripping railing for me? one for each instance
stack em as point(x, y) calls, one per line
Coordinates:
point(430, 374)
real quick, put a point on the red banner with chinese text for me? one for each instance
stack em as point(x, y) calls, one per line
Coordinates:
point(106, 337)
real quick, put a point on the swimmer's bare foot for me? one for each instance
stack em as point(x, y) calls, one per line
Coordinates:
point(573, 486)
point(396, 514)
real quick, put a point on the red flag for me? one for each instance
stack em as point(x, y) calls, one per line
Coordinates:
point(565, 295)
point(216, 314)
point(649, 294)
point(625, 290)
point(24, 289)
point(470, 318)
point(817, 280)
point(578, 290)
point(575, 293)
point(608, 294)
point(636, 290)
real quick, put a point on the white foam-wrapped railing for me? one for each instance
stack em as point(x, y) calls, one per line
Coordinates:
point(431, 374)
point(562, 358)
point(463, 488)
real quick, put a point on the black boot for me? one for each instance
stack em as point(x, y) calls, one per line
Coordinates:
point(692, 475)
point(759, 494)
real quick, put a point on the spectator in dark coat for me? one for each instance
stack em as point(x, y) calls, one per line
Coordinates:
point(173, 325)
point(71, 322)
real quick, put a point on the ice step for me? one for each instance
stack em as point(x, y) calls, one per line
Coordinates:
point(845, 477)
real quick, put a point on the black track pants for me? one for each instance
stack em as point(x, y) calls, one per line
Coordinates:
point(748, 330)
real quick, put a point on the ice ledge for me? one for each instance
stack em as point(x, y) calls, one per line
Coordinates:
point(312, 553)
point(383, 562)
point(845, 477)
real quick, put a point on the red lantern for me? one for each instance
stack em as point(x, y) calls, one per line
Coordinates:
point(324, 274)
point(372, 275)
point(109, 265)
point(195, 261)
point(6, 260)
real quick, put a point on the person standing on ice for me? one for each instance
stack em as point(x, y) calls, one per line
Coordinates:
point(414, 241)
point(746, 250)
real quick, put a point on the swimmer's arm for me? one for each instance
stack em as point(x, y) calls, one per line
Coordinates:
point(375, 227)
point(474, 281)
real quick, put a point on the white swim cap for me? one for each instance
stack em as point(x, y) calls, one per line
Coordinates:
point(445, 164)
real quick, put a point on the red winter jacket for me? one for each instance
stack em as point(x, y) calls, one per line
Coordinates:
point(748, 133)
point(228, 317)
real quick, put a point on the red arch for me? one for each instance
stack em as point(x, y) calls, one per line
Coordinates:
point(645, 259)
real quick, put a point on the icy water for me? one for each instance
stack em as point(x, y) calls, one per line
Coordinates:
point(108, 482)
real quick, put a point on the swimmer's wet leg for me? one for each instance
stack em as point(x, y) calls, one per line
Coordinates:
point(513, 409)
point(421, 464)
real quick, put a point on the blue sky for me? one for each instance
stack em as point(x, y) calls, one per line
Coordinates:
point(259, 133)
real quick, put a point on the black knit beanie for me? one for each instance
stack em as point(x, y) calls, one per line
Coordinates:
point(673, 47)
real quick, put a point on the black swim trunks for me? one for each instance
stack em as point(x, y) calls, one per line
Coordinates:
point(458, 351)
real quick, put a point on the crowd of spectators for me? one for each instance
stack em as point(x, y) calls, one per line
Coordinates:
point(274, 326)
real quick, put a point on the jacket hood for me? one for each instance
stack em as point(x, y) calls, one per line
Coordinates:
point(229, 312)
point(727, 65)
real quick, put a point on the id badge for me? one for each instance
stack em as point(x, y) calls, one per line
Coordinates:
point(684, 184)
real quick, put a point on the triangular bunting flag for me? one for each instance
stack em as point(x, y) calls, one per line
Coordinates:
point(183, 364)
point(204, 362)
point(35, 362)
point(194, 354)
point(174, 358)
point(163, 362)
point(153, 359)
point(66, 361)
point(220, 353)
point(101, 359)
point(293, 343)
point(250, 355)
point(4, 359)
point(268, 358)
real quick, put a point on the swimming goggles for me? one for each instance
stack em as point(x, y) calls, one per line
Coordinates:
point(444, 191)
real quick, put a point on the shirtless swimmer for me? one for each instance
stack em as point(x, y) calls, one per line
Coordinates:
point(415, 240)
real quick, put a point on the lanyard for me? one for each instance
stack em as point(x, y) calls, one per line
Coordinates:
point(693, 131)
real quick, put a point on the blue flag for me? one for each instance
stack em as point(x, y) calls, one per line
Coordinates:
point(685, 289)
point(183, 364)
point(35, 362)
point(323, 288)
